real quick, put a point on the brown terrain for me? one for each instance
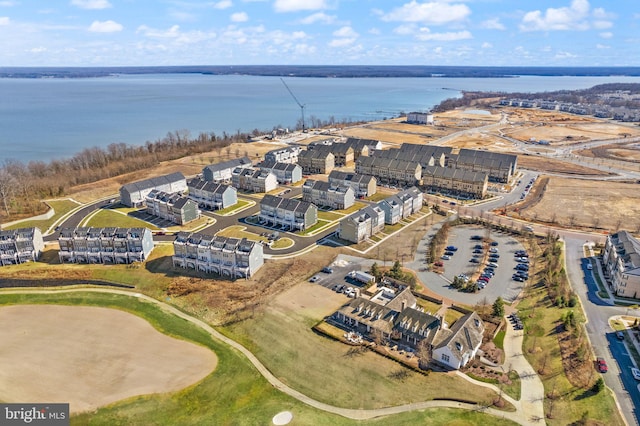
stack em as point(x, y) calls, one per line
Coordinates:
point(90, 356)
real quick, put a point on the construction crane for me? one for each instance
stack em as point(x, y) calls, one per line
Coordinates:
point(297, 101)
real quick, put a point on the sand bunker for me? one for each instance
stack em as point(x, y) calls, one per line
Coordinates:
point(90, 356)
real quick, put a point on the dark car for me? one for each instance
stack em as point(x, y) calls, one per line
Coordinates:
point(448, 253)
point(451, 248)
point(494, 243)
point(476, 238)
point(602, 365)
point(327, 270)
point(518, 278)
point(477, 251)
point(474, 260)
point(477, 246)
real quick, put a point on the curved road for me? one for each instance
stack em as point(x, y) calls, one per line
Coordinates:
point(275, 382)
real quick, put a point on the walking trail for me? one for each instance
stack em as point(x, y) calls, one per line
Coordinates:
point(529, 409)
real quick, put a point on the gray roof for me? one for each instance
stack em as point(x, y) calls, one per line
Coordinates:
point(289, 204)
point(153, 182)
point(454, 174)
point(465, 334)
point(350, 177)
point(208, 186)
point(230, 164)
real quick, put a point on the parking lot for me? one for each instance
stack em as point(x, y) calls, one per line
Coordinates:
point(340, 268)
point(501, 284)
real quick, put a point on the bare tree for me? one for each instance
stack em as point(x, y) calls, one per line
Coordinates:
point(7, 185)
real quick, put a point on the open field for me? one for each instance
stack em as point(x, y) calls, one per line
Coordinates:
point(92, 356)
point(60, 207)
point(327, 370)
point(621, 151)
point(108, 217)
point(585, 202)
point(552, 165)
point(239, 231)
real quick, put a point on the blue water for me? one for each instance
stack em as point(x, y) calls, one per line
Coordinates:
point(45, 119)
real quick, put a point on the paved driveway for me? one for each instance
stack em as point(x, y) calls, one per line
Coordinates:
point(500, 285)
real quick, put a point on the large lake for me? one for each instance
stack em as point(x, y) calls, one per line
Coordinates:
point(45, 119)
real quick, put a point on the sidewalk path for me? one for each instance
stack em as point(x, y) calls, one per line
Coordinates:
point(520, 416)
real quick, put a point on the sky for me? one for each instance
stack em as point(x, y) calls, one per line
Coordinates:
point(320, 32)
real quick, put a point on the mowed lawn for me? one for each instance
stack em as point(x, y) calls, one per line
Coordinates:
point(108, 217)
point(282, 338)
point(234, 394)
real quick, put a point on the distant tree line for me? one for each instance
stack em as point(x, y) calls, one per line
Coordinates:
point(611, 94)
point(22, 185)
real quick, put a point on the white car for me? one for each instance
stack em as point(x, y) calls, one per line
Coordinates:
point(589, 266)
point(635, 373)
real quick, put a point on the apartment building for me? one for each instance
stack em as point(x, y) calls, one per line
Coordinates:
point(229, 257)
point(288, 155)
point(387, 170)
point(420, 118)
point(134, 194)
point(288, 213)
point(104, 245)
point(325, 194)
point(221, 172)
point(20, 246)
point(319, 160)
point(362, 185)
point(499, 167)
point(253, 180)
point(285, 173)
point(621, 261)
point(363, 147)
point(211, 195)
point(362, 224)
point(175, 208)
point(426, 155)
point(455, 182)
point(401, 205)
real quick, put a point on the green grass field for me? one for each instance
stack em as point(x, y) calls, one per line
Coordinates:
point(354, 208)
point(319, 225)
point(318, 366)
point(239, 231)
point(107, 217)
point(241, 204)
point(329, 216)
point(60, 207)
point(234, 394)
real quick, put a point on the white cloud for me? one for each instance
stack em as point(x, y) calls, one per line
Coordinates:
point(374, 31)
point(602, 46)
point(4, 20)
point(565, 55)
point(493, 24)
point(487, 45)
point(91, 4)
point(175, 34)
point(304, 49)
point(320, 17)
point(105, 27)
point(239, 17)
point(574, 17)
point(345, 32)
point(606, 34)
point(224, 4)
point(296, 5)
point(405, 29)
point(428, 13)
point(426, 35)
point(38, 49)
point(8, 3)
point(602, 25)
point(342, 42)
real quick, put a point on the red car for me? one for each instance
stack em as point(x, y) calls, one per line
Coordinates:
point(438, 263)
point(602, 365)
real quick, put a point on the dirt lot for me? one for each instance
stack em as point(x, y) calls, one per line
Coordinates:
point(622, 152)
point(594, 204)
point(90, 356)
point(551, 165)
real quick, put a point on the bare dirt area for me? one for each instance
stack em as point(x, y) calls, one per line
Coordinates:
point(389, 136)
point(89, 356)
point(477, 140)
point(621, 151)
point(222, 301)
point(602, 205)
point(552, 165)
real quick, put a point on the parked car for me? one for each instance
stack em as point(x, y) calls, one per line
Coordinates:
point(493, 250)
point(476, 238)
point(494, 243)
point(478, 247)
point(602, 365)
point(474, 260)
point(477, 251)
point(448, 253)
point(438, 263)
point(493, 264)
point(518, 278)
point(635, 373)
point(314, 279)
point(445, 257)
point(589, 266)
point(451, 248)
point(620, 335)
point(327, 270)
point(494, 256)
